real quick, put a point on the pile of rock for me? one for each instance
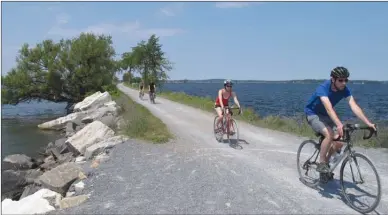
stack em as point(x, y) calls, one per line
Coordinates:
point(41, 185)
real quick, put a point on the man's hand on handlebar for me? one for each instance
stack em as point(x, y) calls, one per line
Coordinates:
point(372, 126)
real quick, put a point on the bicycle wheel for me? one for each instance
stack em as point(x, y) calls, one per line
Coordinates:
point(218, 133)
point(359, 176)
point(309, 163)
point(234, 129)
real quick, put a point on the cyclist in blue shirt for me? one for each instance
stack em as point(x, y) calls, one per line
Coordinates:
point(322, 117)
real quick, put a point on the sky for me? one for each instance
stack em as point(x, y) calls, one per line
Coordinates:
point(236, 40)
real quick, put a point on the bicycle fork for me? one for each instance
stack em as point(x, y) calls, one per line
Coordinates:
point(353, 158)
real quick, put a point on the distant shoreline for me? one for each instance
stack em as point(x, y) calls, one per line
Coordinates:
point(306, 81)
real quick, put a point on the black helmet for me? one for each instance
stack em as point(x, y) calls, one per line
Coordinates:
point(339, 72)
point(228, 82)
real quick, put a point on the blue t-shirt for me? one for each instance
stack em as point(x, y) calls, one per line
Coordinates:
point(315, 106)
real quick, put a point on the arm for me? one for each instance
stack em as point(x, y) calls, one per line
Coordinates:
point(329, 108)
point(220, 99)
point(235, 99)
point(357, 110)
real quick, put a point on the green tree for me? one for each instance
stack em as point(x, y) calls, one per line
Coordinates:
point(61, 72)
point(149, 60)
point(127, 77)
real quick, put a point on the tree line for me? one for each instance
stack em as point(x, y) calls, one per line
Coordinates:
point(69, 70)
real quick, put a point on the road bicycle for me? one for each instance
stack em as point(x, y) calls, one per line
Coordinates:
point(227, 123)
point(348, 156)
point(152, 97)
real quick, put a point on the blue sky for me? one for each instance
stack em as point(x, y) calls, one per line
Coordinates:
point(237, 40)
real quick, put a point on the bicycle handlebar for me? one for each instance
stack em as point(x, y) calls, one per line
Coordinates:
point(352, 127)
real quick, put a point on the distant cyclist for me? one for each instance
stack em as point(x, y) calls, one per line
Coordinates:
point(151, 89)
point(222, 100)
point(141, 88)
point(322, 117)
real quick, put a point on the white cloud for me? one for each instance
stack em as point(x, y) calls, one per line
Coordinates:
point(172, 9)
point(129, 29)
point(63, 18)
point(235, 4)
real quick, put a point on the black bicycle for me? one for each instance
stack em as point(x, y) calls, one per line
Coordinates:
point(349, 156)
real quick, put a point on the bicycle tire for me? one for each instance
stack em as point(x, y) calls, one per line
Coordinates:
point(214, 129)
point(301, 178)
point(227, 129)
point(376, 203)
point(235, 130)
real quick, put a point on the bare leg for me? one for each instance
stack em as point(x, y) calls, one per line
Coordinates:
point(325, 146)
point(219, 113)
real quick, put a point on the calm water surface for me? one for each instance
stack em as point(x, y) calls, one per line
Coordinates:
point(21, 135)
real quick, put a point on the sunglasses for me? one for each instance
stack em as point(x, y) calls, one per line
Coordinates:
point(343, 80)
point(228, 85)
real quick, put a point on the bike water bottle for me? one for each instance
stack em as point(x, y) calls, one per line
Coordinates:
point(336, 155)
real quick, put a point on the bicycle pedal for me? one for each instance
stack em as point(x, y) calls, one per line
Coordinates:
point(324, 178)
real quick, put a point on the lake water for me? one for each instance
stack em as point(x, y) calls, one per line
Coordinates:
point(289, 99)
point(20, 133)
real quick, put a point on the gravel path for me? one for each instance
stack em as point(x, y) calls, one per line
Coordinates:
point(196, 174)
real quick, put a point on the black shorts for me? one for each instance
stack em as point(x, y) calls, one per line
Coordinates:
point(225, 106)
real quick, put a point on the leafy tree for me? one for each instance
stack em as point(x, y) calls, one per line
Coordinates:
point(61, 72)
point(127, 77)
point(148, 60)
point(69, 70)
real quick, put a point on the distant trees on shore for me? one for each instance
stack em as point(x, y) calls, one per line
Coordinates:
point(71, 69)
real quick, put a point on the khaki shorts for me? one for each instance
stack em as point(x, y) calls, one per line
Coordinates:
point(319, 122)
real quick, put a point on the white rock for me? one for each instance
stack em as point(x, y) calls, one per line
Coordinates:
point(62, 121)
point(94, 101)
point(111, 103)
point(89, 135)
point(69, 194)
point(32, 204)
point(79, 159)
point(79, 186)
point(99, 147)
point(98, 113)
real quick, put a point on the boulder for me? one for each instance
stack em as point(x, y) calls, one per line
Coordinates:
point(101, 112)
point(61, 177)
point(30, 189)
point(37, 203)
point(103, 145)
point(93, 101)
point(72, 201)
point(79, 187)
point(89, 135)
point(17, 162)
point(12, 184)
point(32, 174)
point(109, 121)
point(60, 123)
point(70, 129)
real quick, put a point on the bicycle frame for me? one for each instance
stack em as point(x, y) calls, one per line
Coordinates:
point(347, 152)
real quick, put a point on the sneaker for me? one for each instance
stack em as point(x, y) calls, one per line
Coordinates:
point(323, 168)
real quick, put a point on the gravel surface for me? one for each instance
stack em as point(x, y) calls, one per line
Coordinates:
point(195, 174)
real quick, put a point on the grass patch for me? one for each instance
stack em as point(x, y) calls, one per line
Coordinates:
point(139, 122)
point(297, 125)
